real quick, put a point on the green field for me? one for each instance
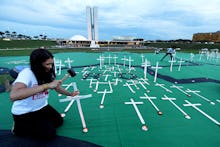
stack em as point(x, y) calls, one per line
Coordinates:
point(24, 47)
point(117, 124)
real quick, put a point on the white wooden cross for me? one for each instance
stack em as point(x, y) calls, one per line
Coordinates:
point(124, 59)
point(101, 61)
point(68, 61)
point(171, 64)
point(180, 64)
point(115, 58)
point(132, 102)
point(171, 101)
point(162, 86)
point(58, 66)
point(109, 59)
point(156, 69)
point(129, 63)
point(103, 97)
point(150, 100)
point(179, 88)
point(142, 58)
point(92, 82)
point(196, 93)
point(77, 98)
point(191, 56)
point(206, 115)
point(129, 86)
point(67, 86)
point(145, 65)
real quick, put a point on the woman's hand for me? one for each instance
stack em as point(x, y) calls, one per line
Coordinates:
point(74, 93)
point(61, 90)
point(54, 84)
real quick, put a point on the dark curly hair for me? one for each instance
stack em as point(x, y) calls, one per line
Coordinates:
point(37, 57)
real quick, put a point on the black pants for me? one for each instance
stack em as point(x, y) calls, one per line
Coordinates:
point(170, 54)
point(40, 124)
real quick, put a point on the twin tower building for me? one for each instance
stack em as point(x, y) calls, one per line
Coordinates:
point(92, 25)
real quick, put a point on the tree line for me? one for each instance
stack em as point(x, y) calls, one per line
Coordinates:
point(17, 36)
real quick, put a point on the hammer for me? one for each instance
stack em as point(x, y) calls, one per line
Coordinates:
point(71, 73)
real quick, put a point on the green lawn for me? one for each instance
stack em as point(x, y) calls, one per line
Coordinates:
point(117, 124)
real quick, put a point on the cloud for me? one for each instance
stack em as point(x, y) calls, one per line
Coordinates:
point(150, 19)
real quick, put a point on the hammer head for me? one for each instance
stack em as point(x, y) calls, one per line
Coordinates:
point(71, 72)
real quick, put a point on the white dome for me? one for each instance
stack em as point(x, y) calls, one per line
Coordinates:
point(78, 37)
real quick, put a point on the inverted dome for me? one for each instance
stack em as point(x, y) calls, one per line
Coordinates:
point(78, 37)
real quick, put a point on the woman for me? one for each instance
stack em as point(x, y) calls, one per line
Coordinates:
point(32, 114)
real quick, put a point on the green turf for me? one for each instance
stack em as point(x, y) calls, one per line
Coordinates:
point(117, 124)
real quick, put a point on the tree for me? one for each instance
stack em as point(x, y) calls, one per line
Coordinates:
point(8, 35)
point(14, 35)
point(2, 34)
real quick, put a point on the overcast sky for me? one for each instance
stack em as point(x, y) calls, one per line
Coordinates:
point(148, 19)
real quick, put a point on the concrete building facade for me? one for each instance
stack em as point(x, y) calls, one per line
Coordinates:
point(92, 23)
point(207, 37)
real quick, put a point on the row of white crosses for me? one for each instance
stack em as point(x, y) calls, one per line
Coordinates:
point(102, 58)
point(129, 83)
point(202, 52)
point(129, 60)
point(210, 55)
point(103, 92)
point(58, 65)
point(101, 63)
point(195, 105)
point(215, 55)
point(157, 67)
point(134, 83)
point(145, 64)
point(97, 83)
point(173, 61)
point(195, 92)
point(68, 61)
point(171, 100)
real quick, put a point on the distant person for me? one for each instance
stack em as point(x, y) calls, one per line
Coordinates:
point(170, 52)
point(157, 50)
point(33, 116)
point(14, 73)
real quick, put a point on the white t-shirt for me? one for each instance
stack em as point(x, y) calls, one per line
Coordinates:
point(32, 103)
point(170, 50)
